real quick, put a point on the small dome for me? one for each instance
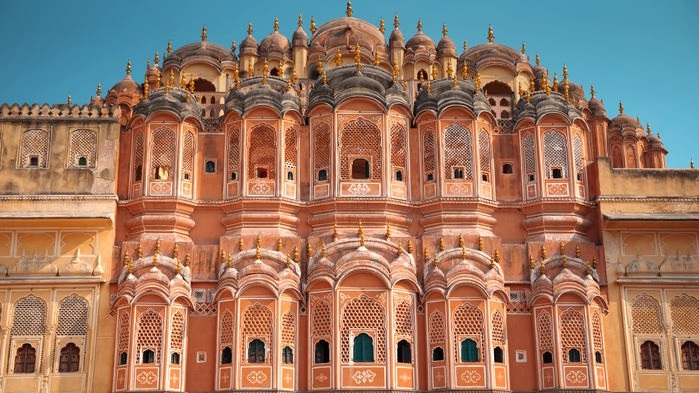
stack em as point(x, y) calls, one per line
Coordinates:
point(396, 39)
point(300, 38)
point(249, 44)
point(420, 43)
point(446, 47)
point(597, 108)
point(623, 121)
point(125, 87)
point(275, 46)
point(654, 142)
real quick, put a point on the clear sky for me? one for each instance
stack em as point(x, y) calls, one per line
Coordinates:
point(643, 52)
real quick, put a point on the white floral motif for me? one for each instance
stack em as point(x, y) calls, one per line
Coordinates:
point(257, 377)
point(359, 189)
point(147, 377)
point(460, 189)
point(576, 376)
point(470, 376)
point(321, 377)
point(261, 189)
point(364, 376)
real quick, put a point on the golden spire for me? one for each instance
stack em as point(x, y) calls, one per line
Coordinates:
point(223, 255)
point(241, 245)
point(99, 89)
point(621, 108)
point(421, 77)
point(125, 261)
point(480, 243)
point(410, 247)
point(453, 82)
point(156, 253)
point(537, 59)
point(179, 267)
point(191, 84)
point(171, 80)
point(229, 260)
point(405, 85)
point(128, 67)
point(532, 86)
point(465, 45)
point(429, 86)
point(175, 251)
point(529, 98)
point(434, 262)
point(594, 262)
point(203, 34)
point(464, 70)
point(357, 57)
point(388, 231)
point(309, 250)
point(382, 26)
point(566, 90)
point(531, 261)
point(463, 252)
point(313, 26)
point(426, 254)
point(338, 58)
point(258, 247)
point(319, 67)
point(545, 84)
point(288, 85)
point(562, 249)
point(183, 81)
point(188, 259)
point(543, 252)
point(157, 80)
point(293, 75)
point(265, 70)
point(555, 82)
point(233, 47)
point(520, 90)
point(491, 37)
point(461, 241)
point(169, 47)
point(648, 128)
point(497, 256)
point(444, 29)
point(361, 234)
point(592, 91)
point(399, 251)
point(395, 21)
point(587, 267)
point(442, 247)
point(492, 261)
point(300, 20)
point(419, 26)
point(395, 71)
point(156, 59)
point(434, 72)
point(288, 261)
point(276, 24)
point(450, 70)
point(280, 245)
point(325, 79)
point(577, 250)
point(297, 257)
point(542, 268)
point(250, 28)
point(565, 260)
point(335, 231)
point(376, 58)
point(251, 70)
point(349, 9)
point(130, 265)
point(524, 48)
point(478, 82)
point(322, 249)
point(565, 72)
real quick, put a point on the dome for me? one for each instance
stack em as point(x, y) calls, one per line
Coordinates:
point(396, 39)
point(420, 46)
point(300, 38)
point(623, 121)
point(125, 87)
point(202, 49)
point(275, 45)
point(249, 44)
point(596, 107)
point(446, 47)
point(345, 33)
point(494, 54)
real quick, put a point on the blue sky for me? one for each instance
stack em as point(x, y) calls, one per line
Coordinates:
point(644, 53)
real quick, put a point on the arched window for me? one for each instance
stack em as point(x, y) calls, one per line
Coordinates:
point(290, 175)
point(574, 355)
point(505, 115)
point(210, 167)
point(438, 354)
point(422, 75)
point(547, 358)
point(212, 100)
point(227, 355)
point(148, 356)
point(363, 348)
point(322, 175)
point(690, 356)
point(498, 355)
point(399, 176)
point(598, 357)
point(360, 168)
point(322, 352)
point(175, 358)
point(256, 351)
point(404, 355)
point(70, 359)
point(287, 355)
point(234, 176)
point(507, 168)
point(650, 356)
point(458, 173)
point(491, 101)
point(504, 102)
point(82, 161)
point(25, 360)
point(469, 351)
point(274, 72)
point(123, 358)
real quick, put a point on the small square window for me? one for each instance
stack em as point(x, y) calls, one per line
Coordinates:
point(210, 167)
point(261, 173)
point(34, 161)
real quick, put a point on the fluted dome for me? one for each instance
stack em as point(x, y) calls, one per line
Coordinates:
point(300, 38)
point(201, 50)
point(345, 33)
point(623, 121)
point(125, 87)
point(446, 47)
point(396, 39)
point(275, 46)
point(420, 47)
point(597, 108)
point(249, 44)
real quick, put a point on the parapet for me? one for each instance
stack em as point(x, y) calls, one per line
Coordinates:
point(60, 112)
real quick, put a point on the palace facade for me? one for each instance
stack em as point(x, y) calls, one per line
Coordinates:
point(341, 212)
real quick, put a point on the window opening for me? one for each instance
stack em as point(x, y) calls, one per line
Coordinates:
point(175, 358)
point(507, 168)
point(25, 360)
point(123, 358)
point(148, 356)
point(210, 167)
point(287, 355)
point(227, 355)
point(598, 357)
point(469, 351)
point(458, 173)
point(261, 173)
point(399, 176)
point(82, 161)
point(438, 354)
point(360, 168)
point(234, 176)
point(556, 173)
point(290, 175)
point(650, 356)
point(574, 355)
point(547, 358)
point(498, 356)
point(403, 352)
point(322, 352)
point(322, 175)
point(363, 349)
point(139, 175)
point(690, 356)
point(34, 161)
point(430, 176)
point(256, 351)
point(69, 361)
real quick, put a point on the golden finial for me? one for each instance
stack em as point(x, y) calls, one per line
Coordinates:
point(592, 91)
point(70, 100)
point(334, 231)
point(480, 243)
point(434, 72)
point(478, 82)
point(621, 108)
point(421, 77)
point(265, 70)
point(280, 245)
point(183, 81)
point(531, 261)
point(648, 128)
point(130, 265)
point(464, 70)
point(529, 100)
point(156, 253)
point(188, 259)
point(426, 254)
point(524, 48)
point(492, 261)
point(395, 21)
point(461, 241)
point(520, 90)
point(191, 83)
point(203, 34)
point(169, 47)
point(497, 256)
point(382, 26)
point(399, 251)
point(453, 81)
point(297, 257)
point(233, 47)
point(565, 71)
point(319, 67)
point(543, 252)
point(167, 88)
point(405, 85)
point(251, 70)
point(349, 9)
point(338, 58)
point(313, 26)
point(241, 245)
point(465, 45)
point(171, 80)
point(325, 78)
point(594, 262)
point(293, 75)
point(322, 249)
point(223, 256)
point(388, 231)
point(357, 57)
point(156, 59)
point(565, 260)
point(444, 29)
point(258, 246)
point(442, 247)
point(450, 70)
point(178, 270)
point(361, 234)
point(395, 72)
point(434, 262)
point(691, 163)
point(577, 250)
point(587, 267)
point(463, 252)
point(250, 28)
point(276, 24)
point(175, 251)
point(485, 93)
point(491, 37)
point(128, 67)
point(157, 80)
point(537, 59)
point(288, 261)
point(377, 61)
point(419, 25)
point(555, 82)
point(566, 90)
point(532, 86)
point(139, 251)
point(542, 268)
point(229, 260)
point(99, 89)
point(410, 247)
point(545, 84)
point(562, 249)
point(300, 23)
point(429, 86)
point(125, 261)
point(309, 250)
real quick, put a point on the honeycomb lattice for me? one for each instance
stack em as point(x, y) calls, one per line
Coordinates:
point(544, 326)
point(288, 328)
point(163, 152)
point(258, 322)
point(484, 151)
point(72, 317)
point(437, 328)
point(398, 148)
point(428, 161)
point(597, 332)
point(361, 139)
point(498, 327)
point(404, 321)
point(290, 146)
point(29, 318)
point(35, 143)
point(458, 151)
point(528, 152)
point(555, 153)
point(262, 150)
point(188, 153)
point(83, 143)
point(138, 153)
point(363, 313)
point(226, 331)
point(578, 153)
point(468, 323)
point(124, 332)
point(320, 320)
point(684, 310)
point(573, 334)
point(321, 147)
point(233, 151)
point(645, 315)
point(177, 331)
point(150, 333)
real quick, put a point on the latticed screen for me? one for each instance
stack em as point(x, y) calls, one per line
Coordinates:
point(138, 157)
point(544, 327)
point(188, 154)
point(579, 158)
point(555, 156)
point(398, 148)
point(573, 334)
point(83, 148)
point(360, 139)
point(363, 313)
point(484, 152)
point(262, 151)
point(288, 328)
point(233, 152)
point(437, 328)
point(321, 148)
point(404, 321)
point(35, 145)
point(290, 147)
point(29, 318)
point(684, 310)
point(498, 326)
point(597, 332)
point(257, 324)
point(177, 331)
point(428, 160)
point(645, 315)
point(72, 317)
point(163, 153)
point(468, 322)
point(320, 320)
point(150, 333)
point(226, 330)
point(458, 152)
point(529, 157)
point(123, 332)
